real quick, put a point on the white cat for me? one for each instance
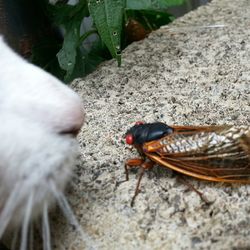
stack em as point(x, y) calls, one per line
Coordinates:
point(39, 117)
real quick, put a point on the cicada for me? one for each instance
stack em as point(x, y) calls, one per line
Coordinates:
point(212, 153)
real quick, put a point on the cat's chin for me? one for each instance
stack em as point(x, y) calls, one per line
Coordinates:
point(35, 165)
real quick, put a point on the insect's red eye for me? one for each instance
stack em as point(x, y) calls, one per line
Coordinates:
point(129, 139)
point(139, 123)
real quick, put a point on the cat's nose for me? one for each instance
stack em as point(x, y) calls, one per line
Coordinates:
point(71, 118)
point(59, 108)
point(37, 96)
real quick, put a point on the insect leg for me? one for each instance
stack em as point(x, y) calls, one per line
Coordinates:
point(136, 162)
point(132, 163)
point(184, 181)
point(144, 166)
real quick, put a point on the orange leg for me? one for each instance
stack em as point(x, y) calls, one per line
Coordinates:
point(184, 181)
point(137, 162)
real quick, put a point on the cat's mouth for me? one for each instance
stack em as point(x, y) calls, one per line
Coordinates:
point(73, 132)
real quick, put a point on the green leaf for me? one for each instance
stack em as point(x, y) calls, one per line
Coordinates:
point(85, 63)
point(78, 68)
point(108, 18)
point(152, 4)
point(67, 55)
point(71, 17)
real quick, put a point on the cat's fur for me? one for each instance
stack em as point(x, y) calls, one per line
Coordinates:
point(38, 116)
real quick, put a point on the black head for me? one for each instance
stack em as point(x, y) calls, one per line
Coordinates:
point(145, 132)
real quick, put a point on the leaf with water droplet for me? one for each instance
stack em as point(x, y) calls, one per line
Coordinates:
point(70, 18)
point(108, 16)
point(67, 55)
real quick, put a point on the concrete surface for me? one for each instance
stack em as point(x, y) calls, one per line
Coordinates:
point(181, 74)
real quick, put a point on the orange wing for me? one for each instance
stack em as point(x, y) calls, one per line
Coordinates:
point(214, 153)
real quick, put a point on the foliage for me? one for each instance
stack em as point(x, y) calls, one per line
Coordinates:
point(78, 51)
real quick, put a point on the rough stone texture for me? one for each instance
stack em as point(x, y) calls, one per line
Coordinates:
point(181, 74)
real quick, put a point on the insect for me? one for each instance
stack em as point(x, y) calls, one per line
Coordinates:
point(212, 153)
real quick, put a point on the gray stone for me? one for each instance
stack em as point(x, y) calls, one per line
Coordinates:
point(184, 73)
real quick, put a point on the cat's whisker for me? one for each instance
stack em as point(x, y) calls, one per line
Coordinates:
point(46, 228)
point(25, 225)
point(9, 208)
point(69, 214)
point(31, 236)
point(14, 239)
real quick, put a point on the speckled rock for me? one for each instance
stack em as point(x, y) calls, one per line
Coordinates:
point(184, 73)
